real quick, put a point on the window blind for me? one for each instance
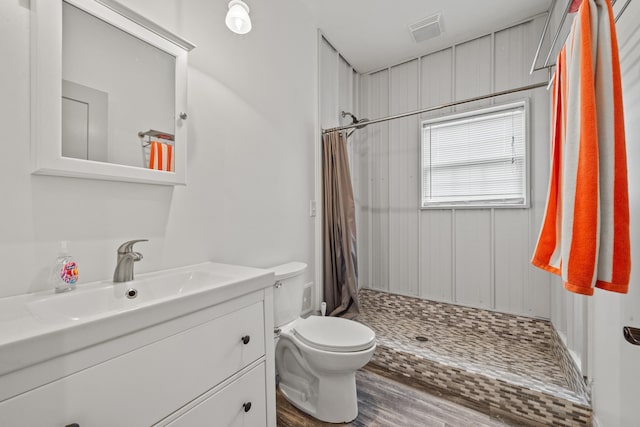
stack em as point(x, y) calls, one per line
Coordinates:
point(475, 159)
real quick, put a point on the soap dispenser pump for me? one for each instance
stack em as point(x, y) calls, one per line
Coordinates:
point(64, 273)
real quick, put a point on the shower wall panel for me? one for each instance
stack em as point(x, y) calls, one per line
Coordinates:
point(377, 138)
point(436, 226)
point(473, 227)
point(475, 257)
point(404, 180)
point(329, 75)
point(473, 71)
point(512, 61)
point(511, 229)
point(436, 82)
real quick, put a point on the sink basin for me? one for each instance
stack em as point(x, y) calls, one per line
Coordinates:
point(93, 301)
point(41, 326)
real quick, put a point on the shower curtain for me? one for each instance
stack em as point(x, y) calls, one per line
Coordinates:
point(339, 258)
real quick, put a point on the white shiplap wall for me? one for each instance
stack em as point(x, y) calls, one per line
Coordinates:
point(339, 91)
point(404, 179)
point(475, 257)
point(338, 86)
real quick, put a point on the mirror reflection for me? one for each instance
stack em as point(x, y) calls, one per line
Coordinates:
point(118, 95)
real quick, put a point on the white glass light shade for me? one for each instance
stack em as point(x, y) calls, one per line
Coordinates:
point(238, 19)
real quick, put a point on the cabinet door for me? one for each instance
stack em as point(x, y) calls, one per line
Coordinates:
point(240, 404)
point(146, 385)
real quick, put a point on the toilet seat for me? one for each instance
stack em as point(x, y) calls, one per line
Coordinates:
point(334, 334)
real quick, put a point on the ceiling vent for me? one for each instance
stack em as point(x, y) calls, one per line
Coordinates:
point(426, 28)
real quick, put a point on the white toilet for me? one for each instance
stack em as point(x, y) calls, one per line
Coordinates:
point(317, 357)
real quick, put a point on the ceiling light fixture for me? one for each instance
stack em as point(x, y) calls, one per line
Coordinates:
point(238, 19)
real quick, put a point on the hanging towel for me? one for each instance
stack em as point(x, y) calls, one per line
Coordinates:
point(161, 156)
point(585, 230)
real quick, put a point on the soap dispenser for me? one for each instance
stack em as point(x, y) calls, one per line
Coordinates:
point(64, 273)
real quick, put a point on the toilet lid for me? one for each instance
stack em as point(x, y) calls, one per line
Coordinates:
point(334, 334)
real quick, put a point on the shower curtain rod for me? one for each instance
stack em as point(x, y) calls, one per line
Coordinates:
point(439, 107)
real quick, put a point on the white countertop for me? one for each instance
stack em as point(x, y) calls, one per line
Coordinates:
point(27, 337)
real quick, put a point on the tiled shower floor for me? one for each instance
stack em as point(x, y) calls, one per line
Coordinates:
point(509, 364)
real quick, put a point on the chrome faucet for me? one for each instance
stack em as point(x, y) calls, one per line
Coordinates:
point(126, 258)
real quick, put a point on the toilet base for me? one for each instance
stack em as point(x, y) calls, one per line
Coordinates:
point(319, 382)
point(334, 400)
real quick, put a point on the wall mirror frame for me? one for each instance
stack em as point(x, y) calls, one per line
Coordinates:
point(46, 92)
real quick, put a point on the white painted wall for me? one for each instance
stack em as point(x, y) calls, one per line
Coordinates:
point(252, 122)
point(476, 257)
point(569, 315)
point(615, 364)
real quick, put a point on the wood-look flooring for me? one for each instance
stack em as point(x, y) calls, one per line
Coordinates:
point(384, 402)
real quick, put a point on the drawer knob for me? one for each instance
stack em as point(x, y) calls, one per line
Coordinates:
point(73, 425)
point(245, 340)
point(246, 406)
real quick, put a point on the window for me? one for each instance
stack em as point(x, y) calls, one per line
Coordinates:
point(476, 159)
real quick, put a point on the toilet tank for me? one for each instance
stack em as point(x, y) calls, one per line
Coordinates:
point(287, 295)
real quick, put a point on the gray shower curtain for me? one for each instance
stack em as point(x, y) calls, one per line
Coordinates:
point(339, 258)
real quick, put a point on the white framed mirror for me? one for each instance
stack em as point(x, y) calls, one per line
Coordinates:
point(109, 94)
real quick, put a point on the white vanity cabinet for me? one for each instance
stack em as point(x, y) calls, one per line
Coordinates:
point(210, 367)
point(240, 403)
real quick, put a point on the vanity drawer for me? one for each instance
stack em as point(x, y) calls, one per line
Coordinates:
point(241, 403)
point(146, 385)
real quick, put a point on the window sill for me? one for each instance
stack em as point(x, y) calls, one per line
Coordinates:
point(474, 206)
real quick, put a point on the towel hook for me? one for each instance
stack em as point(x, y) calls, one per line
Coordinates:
point(632, 335)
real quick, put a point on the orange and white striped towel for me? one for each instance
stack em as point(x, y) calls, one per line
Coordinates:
point(585, 231)
point(161, 156)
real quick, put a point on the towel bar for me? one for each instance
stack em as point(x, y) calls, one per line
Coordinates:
point(156, 134)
